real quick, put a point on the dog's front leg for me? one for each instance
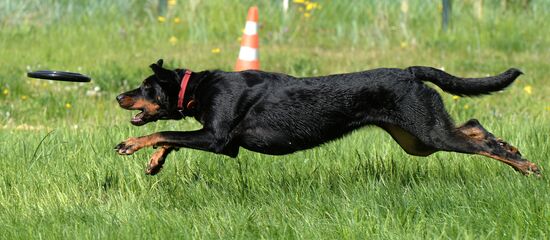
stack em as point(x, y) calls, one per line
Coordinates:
point(157, 159)
point(200, 139)
point(134, 144)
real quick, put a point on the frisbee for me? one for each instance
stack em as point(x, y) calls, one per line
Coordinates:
point(59, 76)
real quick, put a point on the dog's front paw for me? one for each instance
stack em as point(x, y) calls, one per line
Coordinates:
point(157, 160)
point(129, 146)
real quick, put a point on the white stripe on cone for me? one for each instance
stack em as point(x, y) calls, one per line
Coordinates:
point(250, 28)
point(248, 54)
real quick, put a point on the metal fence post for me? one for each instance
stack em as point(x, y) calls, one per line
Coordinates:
point(446, 14)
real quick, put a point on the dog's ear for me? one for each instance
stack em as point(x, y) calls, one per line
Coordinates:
point(163, 74)
point(157, 67)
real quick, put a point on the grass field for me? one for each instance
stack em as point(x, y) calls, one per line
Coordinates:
point(62, 179)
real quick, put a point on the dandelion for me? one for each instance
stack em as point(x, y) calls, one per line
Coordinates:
point(6, 92)
point(172, 3)
point(307, 15)
point(24, 97)
point(310, 6)
point(299, 1)
point(68, 105)
point(173, 40)
point(161, 19)
point(466, 106)
point(177, 20)
point(528, 89)
point(216, 50)
point(456, 97)
point(547, 108)
point(404, 44)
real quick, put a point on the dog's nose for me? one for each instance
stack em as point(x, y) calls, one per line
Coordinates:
point(119, 97)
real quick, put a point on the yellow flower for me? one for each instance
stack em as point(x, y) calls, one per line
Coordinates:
point(161, 19)
point(456, 97)
point(307, 15)
point(528, 89)
point(299, 1)
point(173, 40)
point(24, 97)
point(216, 50)
point(466, 106)
point(310, 6)
point(6, 91)
point(404, 44)
point(548, 108)
point(172, 2)
point(177, 20)
point(68, 106)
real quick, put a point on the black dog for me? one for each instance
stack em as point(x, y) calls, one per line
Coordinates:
point(277, 114)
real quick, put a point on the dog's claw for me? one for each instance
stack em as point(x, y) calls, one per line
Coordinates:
point(152, 170)
point(119, 146)
point(127, 147)
point(528, 168)
point(533, 169)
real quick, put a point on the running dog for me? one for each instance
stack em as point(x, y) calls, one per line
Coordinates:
point(274, 113)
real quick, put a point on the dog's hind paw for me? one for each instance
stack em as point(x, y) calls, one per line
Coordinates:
point(533, 169)
point(526, 168)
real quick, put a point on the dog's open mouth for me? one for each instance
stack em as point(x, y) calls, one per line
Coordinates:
point(140, 119)
point(144, 117)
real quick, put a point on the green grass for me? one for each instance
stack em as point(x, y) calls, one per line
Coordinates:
point(61, 178)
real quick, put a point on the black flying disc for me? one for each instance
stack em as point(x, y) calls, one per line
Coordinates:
point(59, 76)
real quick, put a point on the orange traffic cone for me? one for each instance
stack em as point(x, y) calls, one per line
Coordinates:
point(248, 55)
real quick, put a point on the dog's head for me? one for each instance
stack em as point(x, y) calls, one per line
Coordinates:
point(156, 97)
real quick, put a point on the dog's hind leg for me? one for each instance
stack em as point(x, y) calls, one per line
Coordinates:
point(421, 126)
point(471, 138)
point(487, 144)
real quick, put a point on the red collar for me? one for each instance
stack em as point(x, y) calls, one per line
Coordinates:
point(184, 82)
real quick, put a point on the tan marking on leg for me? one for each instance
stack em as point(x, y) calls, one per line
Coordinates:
point(525, 167)
point(157, 160)
point(473, 133)
point(132, 145)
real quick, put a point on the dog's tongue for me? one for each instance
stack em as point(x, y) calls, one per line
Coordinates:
point(138, 119)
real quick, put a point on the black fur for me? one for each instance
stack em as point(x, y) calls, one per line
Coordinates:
point(275, 113)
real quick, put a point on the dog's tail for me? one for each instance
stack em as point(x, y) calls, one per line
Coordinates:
point(465, 86)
